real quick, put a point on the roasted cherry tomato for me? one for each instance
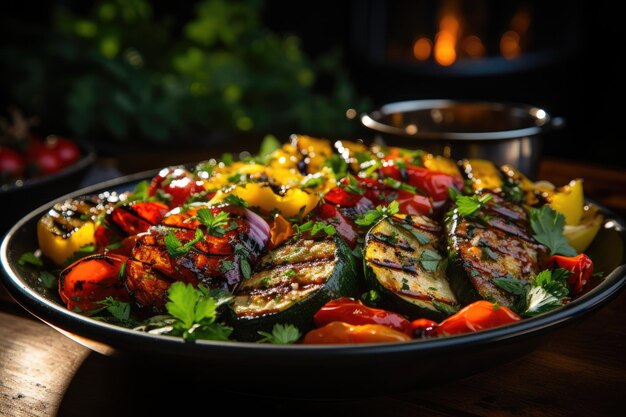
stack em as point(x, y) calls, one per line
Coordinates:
point(346, 229)
point(179, 183)
point(11, 164)
point(339, 333)
point(580, 266)
point(477, 316)
point(351, 311)
point(66, 150)
point(92, 279)
point(43, 160)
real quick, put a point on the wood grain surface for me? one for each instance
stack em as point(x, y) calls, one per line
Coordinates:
point(580, 371)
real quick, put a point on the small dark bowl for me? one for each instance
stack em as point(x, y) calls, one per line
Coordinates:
point(307, 371)
point(20, 197)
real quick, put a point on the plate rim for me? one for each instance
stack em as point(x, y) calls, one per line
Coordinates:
point(66, 321)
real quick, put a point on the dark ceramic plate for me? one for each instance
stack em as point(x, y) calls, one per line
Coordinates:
point(26, 195)
point(308, 371)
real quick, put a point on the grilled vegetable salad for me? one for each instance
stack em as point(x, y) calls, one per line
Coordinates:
point(314, 242)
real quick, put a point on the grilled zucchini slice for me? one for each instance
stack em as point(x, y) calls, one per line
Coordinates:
point(405, 266)
point(291, 283)
point(495, 242)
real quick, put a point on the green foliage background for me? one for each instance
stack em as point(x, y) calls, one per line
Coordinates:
point(122, 73)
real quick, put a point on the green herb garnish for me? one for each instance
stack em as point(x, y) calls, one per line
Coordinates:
point(282, 334)
point(469, 205)
point(372, 216)
point(547, 225)
point(31, 259)
point(399, 185)
point(429, 260)
point(235, 200)
point(176, 248)
point(194, 314)
point(216, 225)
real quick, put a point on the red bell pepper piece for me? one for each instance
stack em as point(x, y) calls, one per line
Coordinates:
point(351, 311)
point(346, 229)
point(340, 333)
point(580, 266)
point(479, 315)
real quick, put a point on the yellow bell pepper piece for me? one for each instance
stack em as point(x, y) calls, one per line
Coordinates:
point(483, 174)
point(582, 234)
point(60, 248)
point(569, 201)
point(524, 183)
point(314, 151)
point(441, 164)
point(221, 173)
point(294, 201)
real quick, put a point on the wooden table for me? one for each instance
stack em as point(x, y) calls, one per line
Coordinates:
point(581, 370)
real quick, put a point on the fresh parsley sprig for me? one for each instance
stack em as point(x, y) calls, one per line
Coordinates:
point(216, 225)
point(176, 248)
point(282, 334)
point(469, 205)
point(547, 225)
point(235, 200)
point(352, 186)
point(372, 216)
point(195, 314)
point(547, 291)
point(314, 228)
point(399, 185)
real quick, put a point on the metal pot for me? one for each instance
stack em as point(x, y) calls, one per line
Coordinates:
point(504, 133)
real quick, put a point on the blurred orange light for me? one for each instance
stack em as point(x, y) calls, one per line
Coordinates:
point(422, 48)
point(445, 52)
point(510, 45)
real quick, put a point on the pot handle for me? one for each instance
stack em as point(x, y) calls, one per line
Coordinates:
point(557, 123)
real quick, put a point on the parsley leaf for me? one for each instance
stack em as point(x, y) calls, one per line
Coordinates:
point(338, 165)
point(429, 259)
point(195, 313)
point(547, 225)
point(215, 225)
point(312, 182)
point(352, 186)
point(511, 285)
point(444, 308)
point(175, 247)
point(548, 290)
point(227, 159)
point(268, 146)
point(118, 309)
point(372, 216)
point(243, 256)
point(31, 259)
point(235, 200)
point(140, 193)
point(370, 297)
point(282, 334)
point(315, 228)
point(467, 205)
point(226, 265)
point(49, 280)
point(399, 185)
